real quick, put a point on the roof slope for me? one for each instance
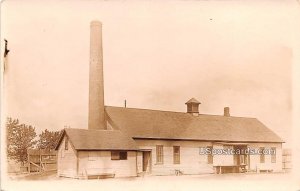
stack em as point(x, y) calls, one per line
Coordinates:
point(143, 123)
point(83, 139)
point(192, 100)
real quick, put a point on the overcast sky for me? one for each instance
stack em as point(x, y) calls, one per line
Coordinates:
point(157, 55)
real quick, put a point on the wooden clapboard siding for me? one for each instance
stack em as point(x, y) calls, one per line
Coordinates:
point(103, 164)
point(67, 165)
point(287, 160)
point(191, 162)
point(255, 159)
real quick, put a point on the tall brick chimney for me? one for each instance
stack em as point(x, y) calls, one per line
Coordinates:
point(96, 119)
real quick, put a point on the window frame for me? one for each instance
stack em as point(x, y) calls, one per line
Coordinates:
point(176, 156)
point(123, 155)
point(159, 154)
point(118, 155)
point(273, 155)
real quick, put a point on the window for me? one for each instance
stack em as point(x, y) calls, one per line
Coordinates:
point(123, 155)
point(262, 155)
point(118, 155)
point(159, 154)
point(176, 154)
point(115, 155)
point(209, 155)
point(273, 155)
point(93, 155)
point(66, 143)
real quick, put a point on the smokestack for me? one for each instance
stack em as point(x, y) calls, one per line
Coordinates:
point(226, 112)
point(96, 84)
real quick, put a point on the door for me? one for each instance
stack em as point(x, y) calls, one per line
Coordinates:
point(241, 160)
point(146, 161)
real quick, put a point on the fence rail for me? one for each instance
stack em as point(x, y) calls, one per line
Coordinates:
point(40, 160)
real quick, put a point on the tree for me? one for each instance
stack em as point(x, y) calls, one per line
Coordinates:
point(48, 139)
point(20, 137)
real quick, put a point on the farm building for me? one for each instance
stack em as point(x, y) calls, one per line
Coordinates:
point(124, 142)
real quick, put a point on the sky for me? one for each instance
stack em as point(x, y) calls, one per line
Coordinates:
point(157, 55)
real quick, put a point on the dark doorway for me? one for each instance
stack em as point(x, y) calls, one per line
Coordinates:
point(146, 161)
point(241, 160)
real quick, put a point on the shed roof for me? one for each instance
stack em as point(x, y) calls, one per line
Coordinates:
point(83, 139)
point(144, 123)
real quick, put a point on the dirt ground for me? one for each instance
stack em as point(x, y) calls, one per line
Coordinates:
point(34, 176)
point(230, 176)
point(239, 182)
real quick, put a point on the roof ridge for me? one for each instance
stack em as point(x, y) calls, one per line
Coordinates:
point(146, 109)
point(180, 112)
point(93, 129)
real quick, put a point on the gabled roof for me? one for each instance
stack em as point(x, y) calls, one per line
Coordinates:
point(193, 100)
point(143, 123)
point(83, 139)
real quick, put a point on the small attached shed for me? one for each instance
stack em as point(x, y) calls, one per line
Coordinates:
point(95, 154)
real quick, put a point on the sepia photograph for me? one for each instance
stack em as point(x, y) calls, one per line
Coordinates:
point(150, 95)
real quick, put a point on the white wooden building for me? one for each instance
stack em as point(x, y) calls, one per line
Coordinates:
point(123, 142)
point(140, 141)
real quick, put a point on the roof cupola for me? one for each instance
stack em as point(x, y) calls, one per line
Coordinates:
point(193, 106)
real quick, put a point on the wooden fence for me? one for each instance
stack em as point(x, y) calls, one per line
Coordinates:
point(40, 160)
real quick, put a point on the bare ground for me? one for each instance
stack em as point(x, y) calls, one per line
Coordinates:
point(230, 176)
point(234, 181)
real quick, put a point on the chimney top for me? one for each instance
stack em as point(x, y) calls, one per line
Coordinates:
point(226, 111)
point(95, 22)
